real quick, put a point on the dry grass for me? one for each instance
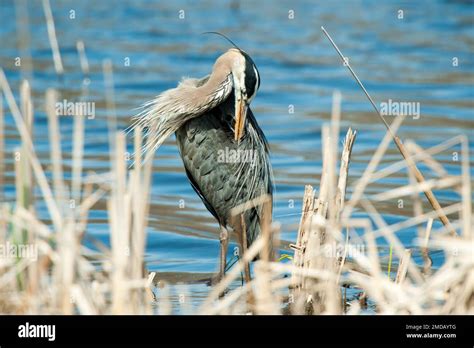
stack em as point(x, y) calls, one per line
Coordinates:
point(64, 277)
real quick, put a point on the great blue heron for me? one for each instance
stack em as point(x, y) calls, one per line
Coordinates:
point(224, 151)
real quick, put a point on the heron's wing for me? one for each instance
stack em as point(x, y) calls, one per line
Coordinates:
point(171, 109)
point(198, 190)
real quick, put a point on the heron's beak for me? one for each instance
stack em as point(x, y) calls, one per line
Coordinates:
point(240, 114)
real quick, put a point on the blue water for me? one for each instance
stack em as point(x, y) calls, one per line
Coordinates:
point(409, 59)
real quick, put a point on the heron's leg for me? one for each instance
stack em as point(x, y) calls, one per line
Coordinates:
point(242, 233)
point(224, 241)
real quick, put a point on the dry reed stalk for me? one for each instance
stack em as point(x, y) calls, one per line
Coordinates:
point(450, 209)
point(2, 149)
point(27, 113)
point(23, 28)
point(3, 222)
point(388, 233)
point(90, 198)
point(40, 230)
point(81, 51)
point(119, 207)
point(265, 301)
point(403, 267)
point(139, 232)
point(84, 305)
point(27, 105)
point(139, 190)
point(361, 263)
point(362, 183)
point(146, 176)
point(408, 190)
point(78, 131)
point(24, 185)
point(421, 156)
point(48, 14)
point(332, 232)
point(332, 139)
point(466, 215)
point(67, 241)
point(149, 288)
point(241, 232)
point(449, 290)
point(428, 262)
point(344, 171)
point(428, 159)
point(325, 229)
point(67, 248)
point(417, 203)
point(416, 188)
point(302, 238)
point(341, 192)
point(55, 148)
point(110, 103)
point(312, 257)
point(336, 203)
point(375, 269)
point(267, 252)
point(25, 180)
point(137, 240)
point(20, 235)
point(77, 156)
point(66, 236)
point(401, 148)
point(427, 190)
point(343, 259)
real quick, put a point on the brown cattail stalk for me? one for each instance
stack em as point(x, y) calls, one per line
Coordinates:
point(411, 164)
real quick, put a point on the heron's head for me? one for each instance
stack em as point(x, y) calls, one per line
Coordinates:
point(246, 81)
